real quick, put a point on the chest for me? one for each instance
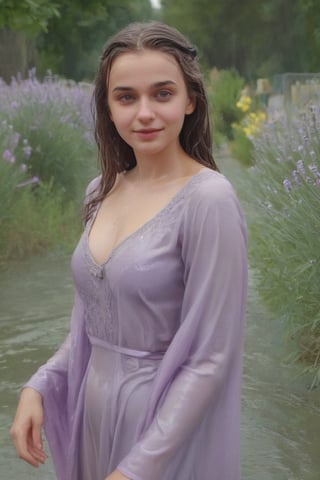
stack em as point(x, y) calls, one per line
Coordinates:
point(120, 216)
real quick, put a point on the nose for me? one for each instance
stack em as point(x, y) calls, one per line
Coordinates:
point(145, 112)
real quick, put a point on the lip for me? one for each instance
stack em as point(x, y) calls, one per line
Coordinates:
point(146, 133)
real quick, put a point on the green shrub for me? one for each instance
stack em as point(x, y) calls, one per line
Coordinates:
point(9, 178)
point(224, 90)
point(53, 118)
point(46, 159)
point(283, 192)
point(241, 147)
point(36, 221)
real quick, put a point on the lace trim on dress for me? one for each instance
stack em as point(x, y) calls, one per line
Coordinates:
point(99, 318)
point(152, 224)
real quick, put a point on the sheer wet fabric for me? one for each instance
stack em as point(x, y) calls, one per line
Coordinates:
point(149, 378)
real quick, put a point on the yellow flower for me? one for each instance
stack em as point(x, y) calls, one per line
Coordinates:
point(248, 131)
point(244, 103)
point(262, 116)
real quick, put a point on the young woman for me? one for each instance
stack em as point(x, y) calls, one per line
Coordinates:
point(147, 385)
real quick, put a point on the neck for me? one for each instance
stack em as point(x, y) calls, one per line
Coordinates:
point(165, 165)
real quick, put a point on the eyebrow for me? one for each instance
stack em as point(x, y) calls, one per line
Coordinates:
point(164, 83)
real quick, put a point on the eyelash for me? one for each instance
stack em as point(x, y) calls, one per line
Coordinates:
point(126, 97)
point(162, 95)
point(166, 95)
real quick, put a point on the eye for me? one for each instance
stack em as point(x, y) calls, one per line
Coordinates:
point(126, 98)
point(163, 95)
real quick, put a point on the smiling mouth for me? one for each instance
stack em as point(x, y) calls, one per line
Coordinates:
point(149, 130)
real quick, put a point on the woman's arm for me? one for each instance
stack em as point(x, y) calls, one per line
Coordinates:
point(26, 430)
point(53, 374)
point(214, 255)
point(27, 426)
point(44, 396)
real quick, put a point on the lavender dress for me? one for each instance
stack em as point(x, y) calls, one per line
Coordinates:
point(149, 379)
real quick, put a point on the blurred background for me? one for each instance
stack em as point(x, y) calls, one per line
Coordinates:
point(259, 38)
point(261, 65)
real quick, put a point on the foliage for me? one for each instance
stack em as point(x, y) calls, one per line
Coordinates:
point(248, 35)
point(311, 11)
point(283, 191)
point(37, 218)
point(70, 34)
point(46, 147)
point(244, 134)
point(74, 41)
point(241, 147)
point(248, 128)
point(224, 91)
point(50, 121)
point(73, 32)
point(27, 15)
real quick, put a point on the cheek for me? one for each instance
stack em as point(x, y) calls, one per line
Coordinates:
point(119, 118)
point(176, 117)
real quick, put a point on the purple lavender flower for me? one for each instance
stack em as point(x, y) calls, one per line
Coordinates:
point(287, 185)
point(15, 140)
point(27, 150)
point(23, 167)
point(296, 177)
point(6, 155)
point(314, 170)
point(300, 167)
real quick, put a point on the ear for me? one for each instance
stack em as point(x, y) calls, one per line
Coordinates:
point(191, 105)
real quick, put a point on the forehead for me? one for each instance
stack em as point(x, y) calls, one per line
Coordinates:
point(144, 67)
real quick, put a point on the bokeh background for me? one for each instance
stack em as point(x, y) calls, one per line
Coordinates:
point(261, 65)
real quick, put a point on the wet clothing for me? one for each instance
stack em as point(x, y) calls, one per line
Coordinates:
point(149, 378)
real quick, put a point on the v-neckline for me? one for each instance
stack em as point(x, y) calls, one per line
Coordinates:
point(142, 227)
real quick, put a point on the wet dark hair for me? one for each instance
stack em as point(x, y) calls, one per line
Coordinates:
point(115, 155)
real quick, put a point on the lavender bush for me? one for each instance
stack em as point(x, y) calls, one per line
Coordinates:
point(47, 155)
point(283, 190)
point(54, 120)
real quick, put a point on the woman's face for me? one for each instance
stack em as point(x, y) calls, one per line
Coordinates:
point(148, 101)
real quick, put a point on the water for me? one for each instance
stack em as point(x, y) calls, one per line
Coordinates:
point(281, 416)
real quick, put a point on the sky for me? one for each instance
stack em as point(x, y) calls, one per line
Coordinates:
point(155, 3)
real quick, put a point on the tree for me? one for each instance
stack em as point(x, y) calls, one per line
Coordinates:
point(29, 16)
point(257, 37)
point(20, 23)
point(73, 42)
point(311, 13)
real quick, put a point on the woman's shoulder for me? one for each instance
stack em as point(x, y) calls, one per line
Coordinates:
point(210, 186)
point(212, 200)
point(93, 185)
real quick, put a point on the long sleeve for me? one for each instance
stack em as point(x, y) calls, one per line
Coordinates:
point(59, 383)
point(51, 381)
point(52, 376)
point(209, 339)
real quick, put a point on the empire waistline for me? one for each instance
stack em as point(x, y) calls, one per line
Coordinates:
point(126, 351)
